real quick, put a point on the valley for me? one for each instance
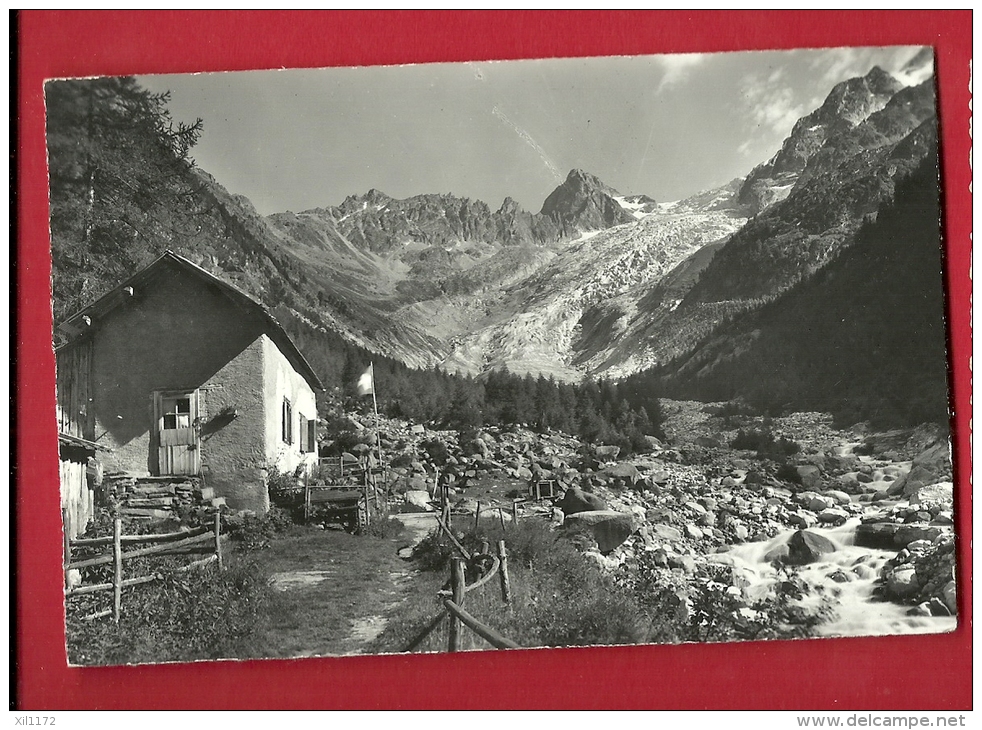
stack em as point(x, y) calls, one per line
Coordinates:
point(741, 396)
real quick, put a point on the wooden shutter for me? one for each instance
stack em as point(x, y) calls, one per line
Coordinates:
point(287, 421)
point(304, 446)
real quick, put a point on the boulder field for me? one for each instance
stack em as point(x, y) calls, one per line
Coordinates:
point(687, 503)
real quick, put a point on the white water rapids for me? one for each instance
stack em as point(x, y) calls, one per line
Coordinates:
point(855, 569)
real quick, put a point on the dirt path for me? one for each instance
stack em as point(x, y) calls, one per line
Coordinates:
point(366, 629)
point(335, 591)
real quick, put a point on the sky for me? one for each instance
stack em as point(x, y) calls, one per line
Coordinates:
point(665, 126)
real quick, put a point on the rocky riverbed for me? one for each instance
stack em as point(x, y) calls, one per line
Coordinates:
point(859, 523)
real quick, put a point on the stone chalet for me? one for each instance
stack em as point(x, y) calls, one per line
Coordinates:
point(177, 372)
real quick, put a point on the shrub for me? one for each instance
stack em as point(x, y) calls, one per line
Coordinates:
point(383, 527)
point(763, 442)
point(253, 532)
point(285, 491)
point(788, 473)
point(203, 613)
point(434, 551)
point(437, 451)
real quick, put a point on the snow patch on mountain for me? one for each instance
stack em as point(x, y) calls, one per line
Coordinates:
point(639, 208)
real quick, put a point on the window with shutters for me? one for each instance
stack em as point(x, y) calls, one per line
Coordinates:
point(312, 435)
point(308, 435)
point(287, 421)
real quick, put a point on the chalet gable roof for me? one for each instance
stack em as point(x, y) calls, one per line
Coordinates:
point(83, 320)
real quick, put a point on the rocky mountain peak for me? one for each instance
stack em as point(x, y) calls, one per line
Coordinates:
point(376, 196)
point(584, 202)
point(855, 99)
point(581, 177)
point(509, 206)
point(849, 103)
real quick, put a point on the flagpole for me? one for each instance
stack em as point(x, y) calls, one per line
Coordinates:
point(378, 429)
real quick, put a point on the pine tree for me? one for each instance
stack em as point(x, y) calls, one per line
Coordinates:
point(119, 180)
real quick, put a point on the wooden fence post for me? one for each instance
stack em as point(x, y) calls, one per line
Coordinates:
point(218, 540)
point(514, 512)
point(538, 491)
point(477, 514)
point(503, 572)
point(117, 568)
point(457, 589)
point(306, 503)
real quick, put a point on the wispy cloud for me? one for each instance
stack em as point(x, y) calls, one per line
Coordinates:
point(677, 69)
point(770, 101)
point(918, 68)
point(839, 64)
point(527, 138)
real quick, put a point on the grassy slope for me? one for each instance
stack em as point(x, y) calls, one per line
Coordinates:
point(558, 597)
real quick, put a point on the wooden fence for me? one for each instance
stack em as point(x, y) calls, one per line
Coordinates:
point(347, 502)
point(454, 599)
point(202, 539)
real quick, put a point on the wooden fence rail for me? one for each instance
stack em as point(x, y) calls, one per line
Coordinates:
point(175, 543)
point(454, 598)
point(483, 630)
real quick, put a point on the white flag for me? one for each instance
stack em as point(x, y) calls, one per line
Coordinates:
point(366, 383)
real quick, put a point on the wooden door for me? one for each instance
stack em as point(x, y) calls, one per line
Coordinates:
point(176, 421)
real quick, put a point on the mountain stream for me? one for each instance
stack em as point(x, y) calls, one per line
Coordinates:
point(847, 576)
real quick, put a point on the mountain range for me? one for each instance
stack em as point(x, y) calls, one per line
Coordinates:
point(597, 284)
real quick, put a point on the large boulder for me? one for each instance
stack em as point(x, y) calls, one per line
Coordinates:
point(576, 500)
point(810, 476)
point(840, 497)
point(941, 492)
point(666, 532)
point(623, 471)
point(906, 534)
point(833, 516)
point(877, 535)
point(818, 503)
point(902, 582)
point(609, 528)
point(607, 453)
point(693, 532)
point(806, 547)
point(802, 518)
point(417, 501)
point(936, 458)
point(918, 476)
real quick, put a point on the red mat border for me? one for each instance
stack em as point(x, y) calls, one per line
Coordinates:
point(883, 673)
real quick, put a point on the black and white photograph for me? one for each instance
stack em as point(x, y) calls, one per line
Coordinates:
point(501, 355)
